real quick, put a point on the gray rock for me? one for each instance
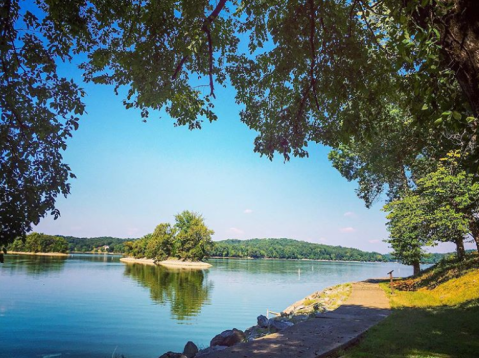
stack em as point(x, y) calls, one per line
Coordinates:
point(190, 349)
point(172, 355)
point(277, 325)
point(299, 318)
point(209, 350)
point(262, 321)
point(255, 332)
point(228, 338)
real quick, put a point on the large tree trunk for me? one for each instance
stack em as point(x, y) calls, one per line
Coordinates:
point(460, 31)
point(461, 251)
point(416, 268)
point(475, 233)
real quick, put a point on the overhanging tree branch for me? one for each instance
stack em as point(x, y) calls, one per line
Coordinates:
point(205, 28)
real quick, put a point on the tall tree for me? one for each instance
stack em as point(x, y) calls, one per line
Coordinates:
point(194, 237)
point(407, 231)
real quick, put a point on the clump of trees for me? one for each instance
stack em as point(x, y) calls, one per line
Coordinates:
point(37, 242)
point(442, 206)
point(188, 239)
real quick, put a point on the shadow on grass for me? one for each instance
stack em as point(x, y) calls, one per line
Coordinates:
point(442, 331)
point(447, 269)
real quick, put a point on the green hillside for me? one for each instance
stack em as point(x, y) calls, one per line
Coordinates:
point(291, 249)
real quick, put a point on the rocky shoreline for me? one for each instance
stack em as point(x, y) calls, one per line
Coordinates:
point(301, 311)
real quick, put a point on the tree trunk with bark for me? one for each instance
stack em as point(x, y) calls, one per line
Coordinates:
point(461, 251)
point(416, 268)
point(475, 233)
point(460, 32)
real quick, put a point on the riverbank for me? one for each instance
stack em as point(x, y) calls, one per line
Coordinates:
point(167, 263)
point(307, 328)
point(38, 253)
point(435, 314)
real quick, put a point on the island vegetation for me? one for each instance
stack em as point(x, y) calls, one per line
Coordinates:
point(36, 243)
point(189, 239)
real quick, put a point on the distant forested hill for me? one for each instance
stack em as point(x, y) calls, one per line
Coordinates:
point(293, 249)
point(290, 249)
point(83, 244)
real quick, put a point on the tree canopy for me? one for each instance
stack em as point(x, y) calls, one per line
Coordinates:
point(189, 239)
point(336, 72)
point(38, 242)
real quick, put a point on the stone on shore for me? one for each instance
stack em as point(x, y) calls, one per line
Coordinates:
point(228, 338)
point(209, 350)
point(263, 322)
point(255, 332)
point(190, 349)
point(277, 325)
point(172, 355)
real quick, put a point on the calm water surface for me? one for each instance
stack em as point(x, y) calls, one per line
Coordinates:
point(96, 306)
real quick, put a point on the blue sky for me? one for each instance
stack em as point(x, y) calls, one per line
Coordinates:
point(132, 176)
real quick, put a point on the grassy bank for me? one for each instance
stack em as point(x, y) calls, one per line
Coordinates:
point(434, 315)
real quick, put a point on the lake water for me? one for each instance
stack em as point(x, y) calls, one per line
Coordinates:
point(96, 306)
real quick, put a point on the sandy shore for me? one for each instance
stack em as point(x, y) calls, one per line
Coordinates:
point(38, 253)
point(168, 263)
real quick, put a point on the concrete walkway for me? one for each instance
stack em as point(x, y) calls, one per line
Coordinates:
point(320, 337)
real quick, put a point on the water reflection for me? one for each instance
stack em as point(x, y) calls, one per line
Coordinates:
point(185, 290)
point(33, 265)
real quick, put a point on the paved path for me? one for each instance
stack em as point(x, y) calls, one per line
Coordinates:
point(319, 337)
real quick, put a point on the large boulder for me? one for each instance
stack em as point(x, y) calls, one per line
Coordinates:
point(263, 322)
point(172, 355)
point(209, 350)
point(190, 349)
point(228, 338)
point(277, 325)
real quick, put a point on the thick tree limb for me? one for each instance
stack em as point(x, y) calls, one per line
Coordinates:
point(205, 28)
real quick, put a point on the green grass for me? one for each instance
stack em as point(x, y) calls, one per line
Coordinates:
point(439, 318)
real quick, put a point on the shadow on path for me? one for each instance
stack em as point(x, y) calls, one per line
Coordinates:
point(320, 337)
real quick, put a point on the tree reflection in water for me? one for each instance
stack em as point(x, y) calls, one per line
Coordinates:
point(185, 290)
point(33, 265)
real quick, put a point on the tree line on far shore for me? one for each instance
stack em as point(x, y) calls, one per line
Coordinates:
point(294, 249)
point(194, 243)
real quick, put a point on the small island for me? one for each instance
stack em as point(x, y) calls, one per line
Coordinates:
point(182, 245)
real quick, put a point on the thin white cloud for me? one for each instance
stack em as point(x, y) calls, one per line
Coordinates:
point(322, 239)
point(247, 211)
point(374, 241)
point(350, 214)
point(235, 231)
point(347, 229)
